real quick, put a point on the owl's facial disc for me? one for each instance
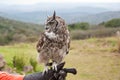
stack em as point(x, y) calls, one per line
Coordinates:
point(46, 28)
point(50, 24)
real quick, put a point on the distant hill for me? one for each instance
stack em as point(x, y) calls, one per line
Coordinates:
point(39, 15)
point(16, 31)
point(100, 17)
point(70, 17)
point(94, 13)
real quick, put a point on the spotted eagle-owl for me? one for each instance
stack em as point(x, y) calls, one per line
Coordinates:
point(54, 42)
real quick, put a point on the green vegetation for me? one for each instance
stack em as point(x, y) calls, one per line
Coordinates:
point(94, 58)
point(18, 62)
point(82, 26)
point(113, 23)
point(15, 31)
point(85, 30)
point(12, 31)
point(20, 54)
point(92, 33)
point(33, 62)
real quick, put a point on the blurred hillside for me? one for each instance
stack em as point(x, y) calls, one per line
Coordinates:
point(99, 17)
point(73, 16)
point(16, 31)
point(93, 13)
point(12, 31)
point(84, 30)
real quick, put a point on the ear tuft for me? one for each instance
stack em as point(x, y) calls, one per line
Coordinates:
point(54, 14)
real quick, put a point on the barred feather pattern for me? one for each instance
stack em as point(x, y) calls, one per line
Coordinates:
point(54, 42)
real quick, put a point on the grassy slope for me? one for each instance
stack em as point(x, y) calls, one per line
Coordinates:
point(95, 59)
point(11, 30)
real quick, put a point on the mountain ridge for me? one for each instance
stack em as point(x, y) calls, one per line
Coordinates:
point(39, 17)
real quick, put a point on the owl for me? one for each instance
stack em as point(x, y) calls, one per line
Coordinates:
point(54, 42)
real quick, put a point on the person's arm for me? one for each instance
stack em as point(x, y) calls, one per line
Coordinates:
point(34, 76)
point(7, 76)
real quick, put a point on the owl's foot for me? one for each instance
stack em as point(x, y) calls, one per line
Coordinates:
point(54, 66)
point(45, 70)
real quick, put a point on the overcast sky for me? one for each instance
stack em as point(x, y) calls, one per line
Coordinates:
point(34, 5)
point(30, 2)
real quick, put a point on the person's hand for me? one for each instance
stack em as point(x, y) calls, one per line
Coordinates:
point(60, 74)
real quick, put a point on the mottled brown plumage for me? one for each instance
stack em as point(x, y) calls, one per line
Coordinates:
point(54, 42)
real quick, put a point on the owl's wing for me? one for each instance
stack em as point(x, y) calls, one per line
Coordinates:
point(68, 44)
point(40, 43)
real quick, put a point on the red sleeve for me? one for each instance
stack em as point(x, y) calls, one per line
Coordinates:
point(7, 76)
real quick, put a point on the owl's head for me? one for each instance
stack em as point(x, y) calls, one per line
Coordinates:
point(54, 23)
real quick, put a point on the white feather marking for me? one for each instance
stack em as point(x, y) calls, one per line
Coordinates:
point(51, 35)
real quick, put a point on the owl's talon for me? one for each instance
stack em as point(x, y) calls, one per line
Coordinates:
point(54, 66)
point(45, 70)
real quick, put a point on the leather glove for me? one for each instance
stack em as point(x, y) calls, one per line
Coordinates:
point(60, 74)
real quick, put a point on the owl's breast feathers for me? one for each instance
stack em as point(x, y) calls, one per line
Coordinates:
point(59, 42)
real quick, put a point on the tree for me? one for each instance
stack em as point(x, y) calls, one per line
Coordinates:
point(113, 23)
point(82, 25)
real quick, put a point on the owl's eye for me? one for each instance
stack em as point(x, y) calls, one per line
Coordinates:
point(51, 22)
